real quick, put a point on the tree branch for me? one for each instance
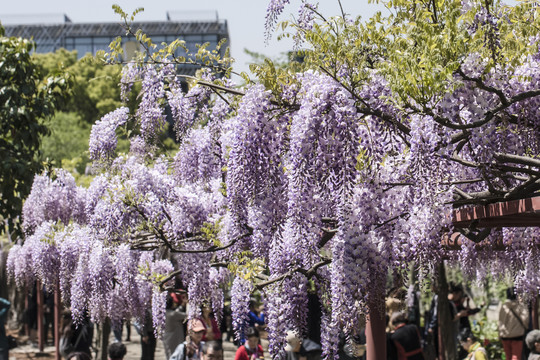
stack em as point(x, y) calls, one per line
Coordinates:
point(214, 248)
point(517, 159)
point(485, 87)
point(390, 220)
point(531, 185)
point(212, 85)
point(463, 161)
point(516, 169)
point(210, 249)
point(368, 110)
point(308, 273)
point(463, 194)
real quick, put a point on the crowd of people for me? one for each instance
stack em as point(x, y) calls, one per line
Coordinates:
point(201, 338)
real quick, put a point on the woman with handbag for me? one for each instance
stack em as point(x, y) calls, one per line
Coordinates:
point(513, 325)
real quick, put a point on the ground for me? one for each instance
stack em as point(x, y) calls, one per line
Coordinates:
point(133, 350)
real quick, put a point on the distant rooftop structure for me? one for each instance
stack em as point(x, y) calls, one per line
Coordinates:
point(54, 32)
point(21, 19)
point(184, 16)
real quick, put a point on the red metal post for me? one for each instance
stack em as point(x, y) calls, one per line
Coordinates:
point(57, 320)
point(40, 329)
point(376, 328)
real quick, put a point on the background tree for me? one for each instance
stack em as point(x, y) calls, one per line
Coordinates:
point(94, 88)
point(94, 91)
point(25, 102)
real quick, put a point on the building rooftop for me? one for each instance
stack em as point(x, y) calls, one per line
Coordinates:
point(20, 19)
point(56, 31)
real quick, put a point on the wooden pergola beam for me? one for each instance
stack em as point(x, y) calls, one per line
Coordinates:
point(513, 213)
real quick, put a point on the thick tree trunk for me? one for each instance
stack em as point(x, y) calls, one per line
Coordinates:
point(103, 339)
point(447, 333)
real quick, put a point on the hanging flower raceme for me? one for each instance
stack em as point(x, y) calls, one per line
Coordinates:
point(131, 73)
point(160, 268)
point(188, 108)
point(103, 138)
point(53, 200)
point(196, 160)
point(150, 113)
point(240, 297)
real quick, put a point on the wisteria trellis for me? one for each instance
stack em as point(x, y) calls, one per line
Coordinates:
point(326, 184)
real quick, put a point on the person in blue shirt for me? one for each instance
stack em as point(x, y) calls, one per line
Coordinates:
point(256, 318)
point(4, 347)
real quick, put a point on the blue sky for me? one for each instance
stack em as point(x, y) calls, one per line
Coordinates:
point(245, 17)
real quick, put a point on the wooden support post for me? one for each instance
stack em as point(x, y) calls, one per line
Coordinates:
point(376, 327)
point(40, 316)
point(57, 327)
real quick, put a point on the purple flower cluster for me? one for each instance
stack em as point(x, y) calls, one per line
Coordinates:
point(304, 21)
point(150, 113)
point(330, 159)
point(130, 74)
point(255, 173)
point(53, 200)
point(188, 108)
point(103, 139)
point(196, 159)
point(286, 309)
point(19, 265)
point(45, 255)
point(240, 296)
point(160, 268)
point(138, 147)
point(274, 9)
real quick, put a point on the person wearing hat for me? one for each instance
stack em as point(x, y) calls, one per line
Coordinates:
point(192, 348)
point(175, 315)
point(301, 349)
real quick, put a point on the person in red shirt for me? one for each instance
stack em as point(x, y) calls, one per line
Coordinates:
point(212, 332)
point(251, 350)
